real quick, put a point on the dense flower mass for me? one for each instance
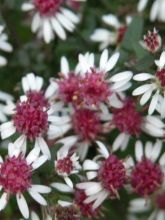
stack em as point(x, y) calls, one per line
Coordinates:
point(94, 116)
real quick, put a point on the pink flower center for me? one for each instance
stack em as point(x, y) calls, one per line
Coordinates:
point(112, 174)
point(36, 99)
point(64, 165)
point(152, 41)
point(86, 123)
point(69, 89)
point(86, 209)
point(127, 119)
point(15, 174)
point(160, 201)
point(146, 177)
point(160, 74)
point(95, 88)
point(121, 33)
point(29, 120)
point(47, 7)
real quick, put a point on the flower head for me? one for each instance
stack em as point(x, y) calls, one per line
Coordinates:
point(51, 18)
point(16, 178)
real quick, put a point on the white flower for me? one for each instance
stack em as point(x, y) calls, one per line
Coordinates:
point(4, 45)
point(153, 88)
point(20, 169)
point(103, 187)
point(67, 162)
point(106, 37)
point(51, 20)
point(34, 107)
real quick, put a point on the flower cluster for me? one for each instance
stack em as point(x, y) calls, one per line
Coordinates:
point(96, 124)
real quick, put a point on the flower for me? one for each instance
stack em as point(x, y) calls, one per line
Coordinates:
point(34, 116)
point(89, 85)
point(67, 162)
point(4, 45)
point(147, 175)
point(16, 178)
point(110, 174)
point(153, 83)
point(152, 41)
point(114, 37)
point(79, 197)
point(131, 122)
point(51, 18)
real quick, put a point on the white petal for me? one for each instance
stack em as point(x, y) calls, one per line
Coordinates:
point(156, 151)
point(112, 61)
point(36, 22)
point(33, 155)
point(143, 77)
point(142, 89)
point(37, 197)
point(27, 6)
point(41, 188)
point(22, 204)
point(58, 28)
point(102, 149)
point(64, 66)
point(3, 201)
point(34, 216)
point(90, 165)
point(70, 15)
point(41, 160)
point(47, 31)
point(40, 142)
point(68, 181)
point(153, 103)
point(91, 175)
point(139, 151)
point(62, 187)
point(123, 76)
point(145, 97)
point(100, 199)
point(104, 59)
point(111, 20)
point(141, 5)
point(7, 129)
point(118, 141)
point(3, 61)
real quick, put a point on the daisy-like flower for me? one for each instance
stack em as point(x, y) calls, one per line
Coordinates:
point(79, 197)
point(130, 122)
point(153, 84)
point(106, 37)
point(89, 85)
point(16, 178)
point(152, 41)
point(4, 45)
point(157, 9)
point(33, 116)
point(67, 162)
point(51, 18)
point(147, 175)
point(110, 174)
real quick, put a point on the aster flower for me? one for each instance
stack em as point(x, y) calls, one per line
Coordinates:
point(110, 175)
point(33, 116)
point(67, 162)
point(79, 197)
point(152, 84)
point(130, 122)
point(106, 37)
point(51, 18)
point(89, 85)
point(4, 46)
point(152, 41)
point(16, 178)
point(147, 175)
